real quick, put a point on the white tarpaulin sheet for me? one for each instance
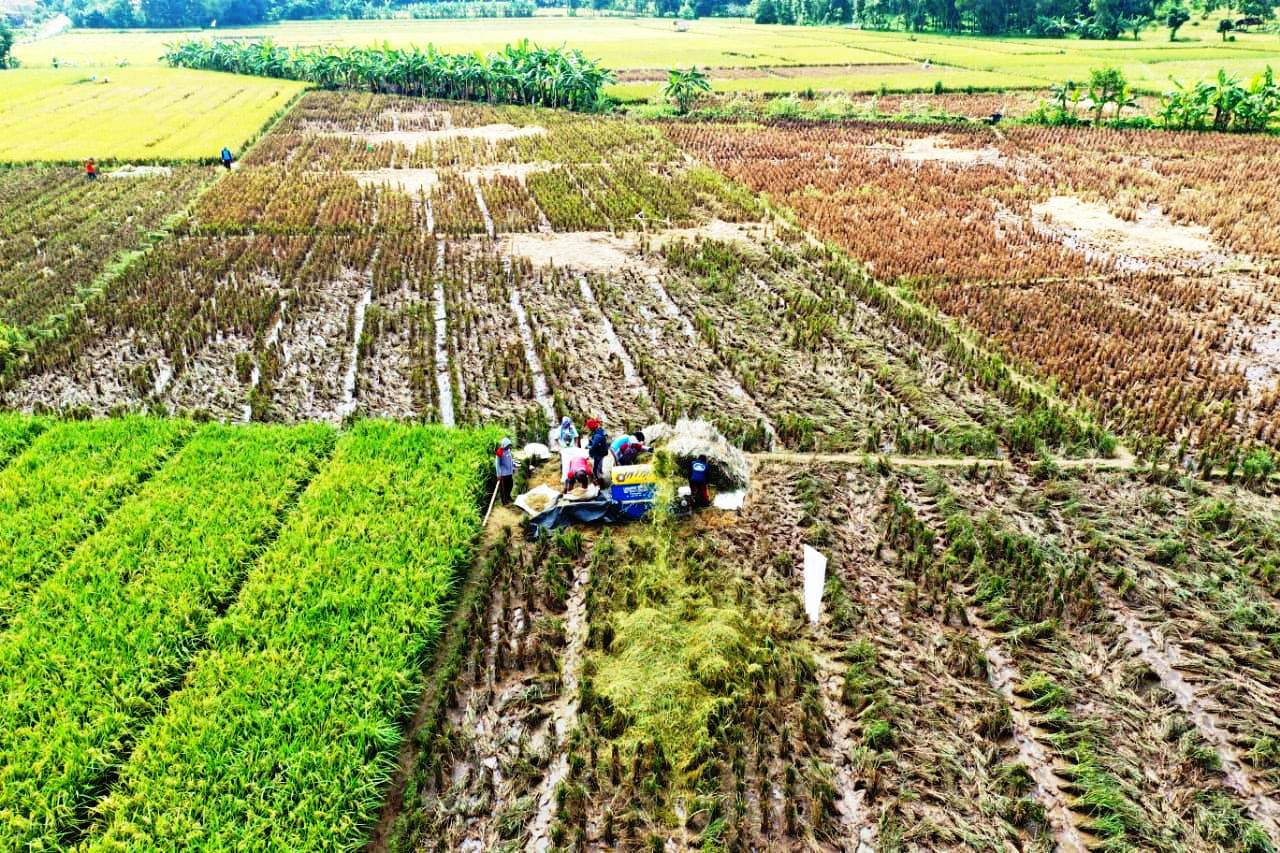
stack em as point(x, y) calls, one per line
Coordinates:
point(538, 500)
point(815, 578)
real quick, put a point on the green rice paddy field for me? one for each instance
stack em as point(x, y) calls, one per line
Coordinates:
point(819, 58)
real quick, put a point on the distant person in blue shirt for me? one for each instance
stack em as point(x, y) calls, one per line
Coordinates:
point(227, 159)
point(698, 482)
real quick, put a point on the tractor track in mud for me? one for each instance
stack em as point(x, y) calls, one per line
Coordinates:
point(564, 712)
point(1002, 675)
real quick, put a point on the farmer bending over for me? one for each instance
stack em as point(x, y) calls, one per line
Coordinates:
point(505, 466)
point(579, 466)
point(583, 489)
point(626, 448)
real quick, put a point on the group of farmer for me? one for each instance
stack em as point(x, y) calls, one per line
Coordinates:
point(91, 168)
point(584, 474)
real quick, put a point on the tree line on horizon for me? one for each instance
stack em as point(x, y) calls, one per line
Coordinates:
point(1089, 19)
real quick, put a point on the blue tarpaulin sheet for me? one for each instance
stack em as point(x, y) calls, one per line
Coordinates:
point(600, 510)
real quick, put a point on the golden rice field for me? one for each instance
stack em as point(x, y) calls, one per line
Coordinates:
point(132, 114)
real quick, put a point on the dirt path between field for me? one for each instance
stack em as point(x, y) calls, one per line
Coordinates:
point(1122, 461)
point(564, 713)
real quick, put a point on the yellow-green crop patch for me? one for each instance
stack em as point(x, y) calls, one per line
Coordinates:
point(721, 44)
point(132, 114)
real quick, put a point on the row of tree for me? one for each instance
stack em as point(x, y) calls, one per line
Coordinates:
point(1225, 104)
point(6, 44)
point(518, 74)
point(1092, 19)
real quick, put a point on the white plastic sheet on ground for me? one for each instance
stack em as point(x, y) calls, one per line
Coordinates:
point(538, 500)
point(536, 452)
point(815, 578)
point(731, 501)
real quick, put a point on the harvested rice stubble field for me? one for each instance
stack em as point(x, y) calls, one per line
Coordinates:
point(461, 263)
point(1138, 270)
point(985, 674)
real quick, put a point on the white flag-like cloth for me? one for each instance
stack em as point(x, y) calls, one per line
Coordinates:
point(815, 578)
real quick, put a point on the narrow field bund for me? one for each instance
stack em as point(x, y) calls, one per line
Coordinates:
point(120, 621)
point(271, 739)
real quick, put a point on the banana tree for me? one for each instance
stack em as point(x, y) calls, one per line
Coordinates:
point(685, 87)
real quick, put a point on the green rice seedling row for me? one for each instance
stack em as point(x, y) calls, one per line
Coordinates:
point(124, 615)
point(63, 486)
point(310, 672)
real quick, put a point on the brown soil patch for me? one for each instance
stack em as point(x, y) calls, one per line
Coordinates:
point(937, 149)
point(1152, 236)
point(411, 181)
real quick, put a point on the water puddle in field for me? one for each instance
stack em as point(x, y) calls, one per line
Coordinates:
point(1161, 657)
point(353, 364)
point(1262, 363)
point(440, 316)
point(564, 713)
point(1003, 676)
point(541, 391)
